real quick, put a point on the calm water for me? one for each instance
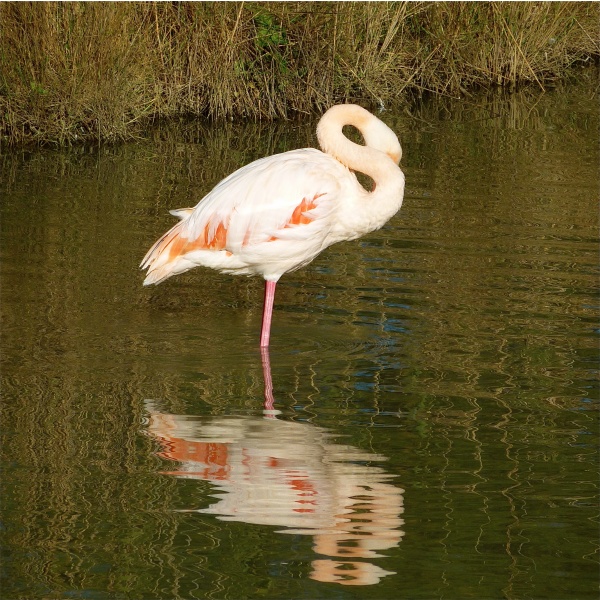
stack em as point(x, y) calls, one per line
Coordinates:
point(432, 429)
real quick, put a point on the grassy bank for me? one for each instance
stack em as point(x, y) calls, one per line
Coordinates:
point(87, 71)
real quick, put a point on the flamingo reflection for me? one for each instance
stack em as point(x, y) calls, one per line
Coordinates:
point(268, 471)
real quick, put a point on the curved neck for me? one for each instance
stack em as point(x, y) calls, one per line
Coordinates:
point(380, 156)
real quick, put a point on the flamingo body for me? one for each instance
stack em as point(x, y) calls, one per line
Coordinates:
point(278, 213)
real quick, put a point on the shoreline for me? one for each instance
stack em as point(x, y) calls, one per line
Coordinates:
point(79, 72)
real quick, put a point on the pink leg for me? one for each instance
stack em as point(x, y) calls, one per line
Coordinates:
point(269, 408)
point(267, 313)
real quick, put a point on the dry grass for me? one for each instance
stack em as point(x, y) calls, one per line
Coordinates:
point(102, 71)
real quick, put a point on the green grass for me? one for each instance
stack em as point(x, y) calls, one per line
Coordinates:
point(77, 71)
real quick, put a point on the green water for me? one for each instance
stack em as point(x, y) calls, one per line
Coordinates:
point(434, 431)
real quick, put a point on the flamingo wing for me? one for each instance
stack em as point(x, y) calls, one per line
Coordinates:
point(267, 218)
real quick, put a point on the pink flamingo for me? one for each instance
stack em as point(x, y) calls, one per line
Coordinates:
point(278, 213)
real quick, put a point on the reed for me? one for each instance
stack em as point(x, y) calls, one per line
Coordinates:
point(83, 71)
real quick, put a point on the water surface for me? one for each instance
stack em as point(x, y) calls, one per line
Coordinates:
point(431, 431)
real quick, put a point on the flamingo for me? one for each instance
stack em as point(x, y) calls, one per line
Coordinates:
point(278, 213)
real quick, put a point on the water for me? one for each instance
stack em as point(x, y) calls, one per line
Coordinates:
point(432, 427)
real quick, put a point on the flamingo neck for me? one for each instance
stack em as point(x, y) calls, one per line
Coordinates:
point(380, 156)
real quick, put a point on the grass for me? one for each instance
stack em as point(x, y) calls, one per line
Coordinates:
point(78, 71)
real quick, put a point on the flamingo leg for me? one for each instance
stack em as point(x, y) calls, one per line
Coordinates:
point(267, 313)
point(269, 408)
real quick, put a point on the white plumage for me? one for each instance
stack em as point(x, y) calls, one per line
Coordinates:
point(278, 213)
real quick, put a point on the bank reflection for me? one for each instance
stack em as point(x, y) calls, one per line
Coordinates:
point(292, 475)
